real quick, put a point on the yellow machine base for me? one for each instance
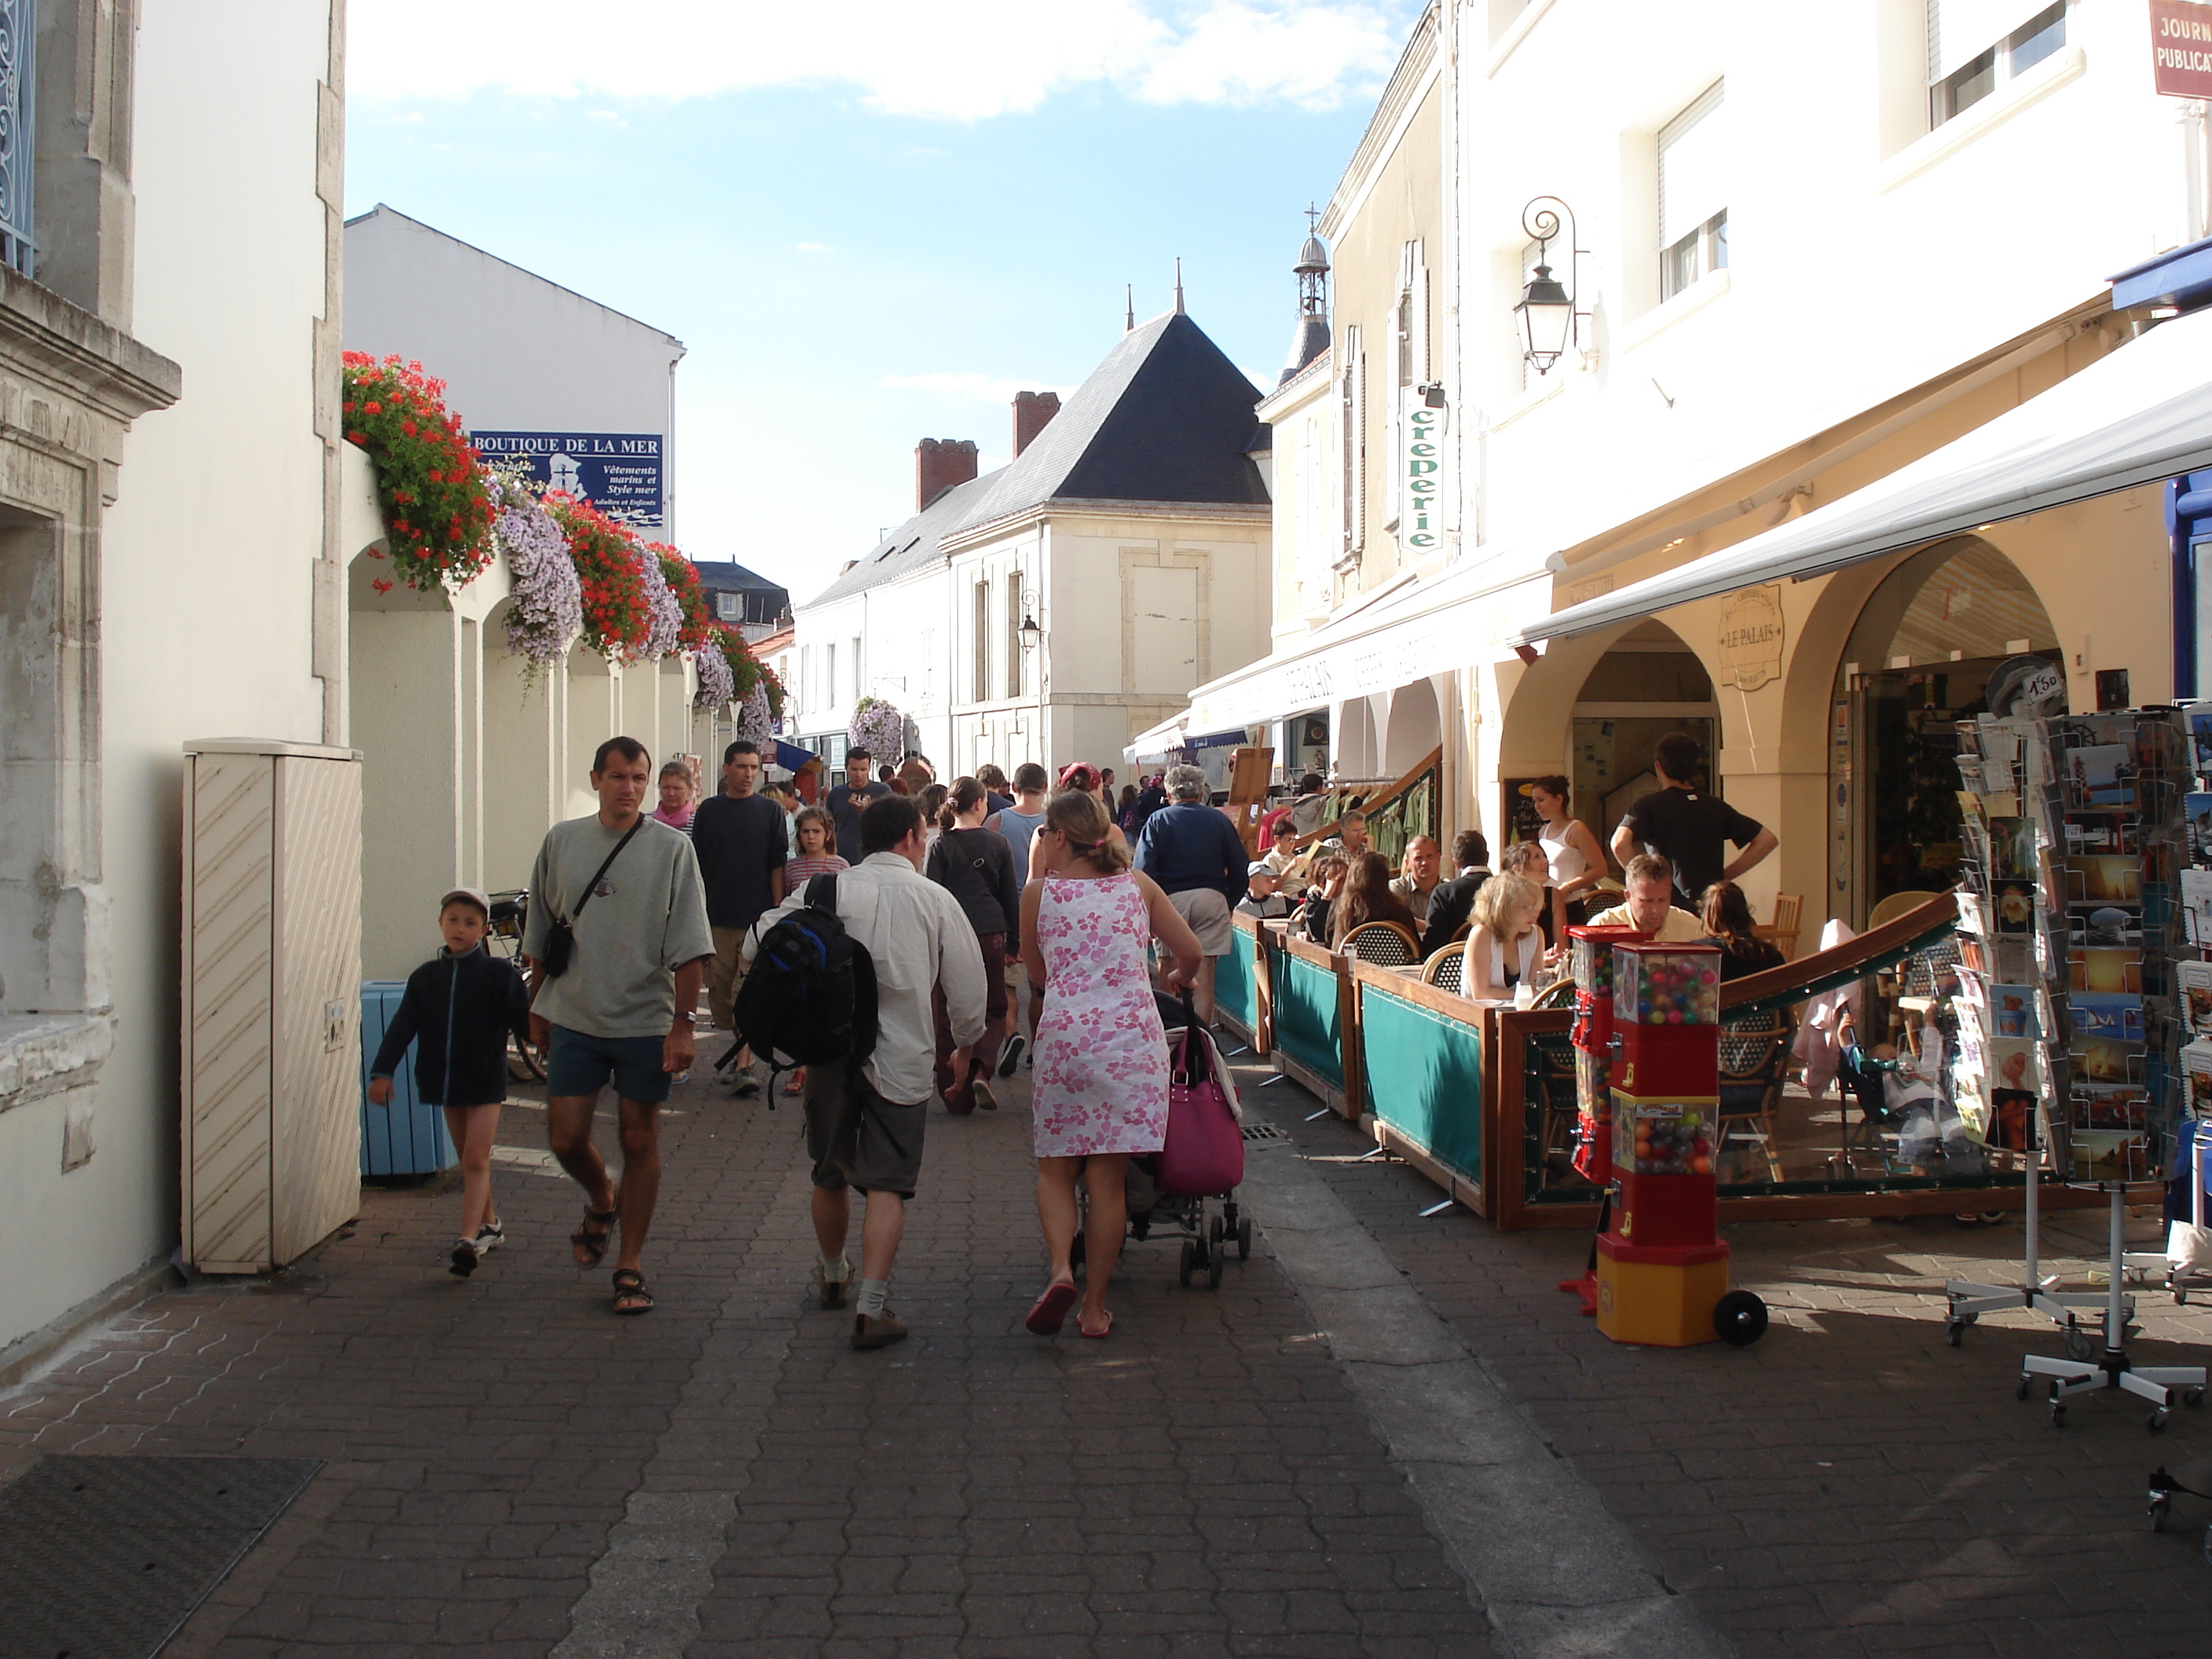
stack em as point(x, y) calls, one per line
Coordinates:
point(1660, 1304)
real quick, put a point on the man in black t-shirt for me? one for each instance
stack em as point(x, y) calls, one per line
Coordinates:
point(1689, 828)
point(739, 836)
point(849, 800)
point(1451, 903)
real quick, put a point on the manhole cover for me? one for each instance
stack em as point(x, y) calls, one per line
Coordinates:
point(103, 1558)
point(1263, 1132)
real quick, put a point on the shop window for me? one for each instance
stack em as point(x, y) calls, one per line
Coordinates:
point(1693, 194)
point(1975, 46)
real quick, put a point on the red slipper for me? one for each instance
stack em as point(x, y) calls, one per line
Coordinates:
point(1050, 1312)
point(1096, 1336)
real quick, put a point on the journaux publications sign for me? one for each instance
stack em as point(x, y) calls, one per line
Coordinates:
point(2181, 48)
point(617, 473)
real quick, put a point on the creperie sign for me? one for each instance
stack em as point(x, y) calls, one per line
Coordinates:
point(2181, 48)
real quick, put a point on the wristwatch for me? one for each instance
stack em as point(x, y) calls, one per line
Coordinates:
point(689, 1019)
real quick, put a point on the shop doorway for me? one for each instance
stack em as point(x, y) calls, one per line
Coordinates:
point(1918, 663)
point(1649, 685)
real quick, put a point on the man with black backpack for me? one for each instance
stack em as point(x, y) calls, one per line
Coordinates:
point(807, 996)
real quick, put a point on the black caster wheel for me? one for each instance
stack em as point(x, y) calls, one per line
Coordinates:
point(1213, 1265)
point(1189, 1262)
point(1740, 1319)
point(1954, 1331)
point(2157, 1423)
point(1215, 1230)
point(2193, 1398)
point(2080, 1346)
point(2057, 1413)
point(1201, 1252)
point(2025, 1382)
point(2161, 1507)
point(1244, 1254)
point(2181, 1299)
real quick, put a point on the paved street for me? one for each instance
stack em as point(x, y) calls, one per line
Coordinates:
point(1308, 1461)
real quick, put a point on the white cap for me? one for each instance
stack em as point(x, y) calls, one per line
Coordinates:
point(482, 900)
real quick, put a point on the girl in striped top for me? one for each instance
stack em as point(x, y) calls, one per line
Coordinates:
point(817, 850)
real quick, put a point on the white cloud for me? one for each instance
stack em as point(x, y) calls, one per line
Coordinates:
point(967, 388)
point(957, 60)
point(813, 247)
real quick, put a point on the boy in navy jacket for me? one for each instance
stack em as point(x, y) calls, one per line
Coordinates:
point(460, 1010)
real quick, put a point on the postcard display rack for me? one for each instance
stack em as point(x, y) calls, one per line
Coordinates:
point(2068, 1026)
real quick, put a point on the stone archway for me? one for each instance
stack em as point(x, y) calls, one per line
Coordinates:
point(1413, 726)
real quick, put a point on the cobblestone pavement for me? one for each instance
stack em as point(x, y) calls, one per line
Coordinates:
point(510, 1470)
point(1851, 1485)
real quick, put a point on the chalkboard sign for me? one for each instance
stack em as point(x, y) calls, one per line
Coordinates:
point(1520, 818)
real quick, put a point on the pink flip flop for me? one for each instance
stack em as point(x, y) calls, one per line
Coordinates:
point(1050, 1311)
point(1096, 1336)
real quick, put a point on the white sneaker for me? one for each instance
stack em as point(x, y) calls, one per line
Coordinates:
point(489, 1237)
point(464, 1258)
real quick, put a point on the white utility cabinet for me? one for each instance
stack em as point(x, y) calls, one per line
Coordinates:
point(271, 1000)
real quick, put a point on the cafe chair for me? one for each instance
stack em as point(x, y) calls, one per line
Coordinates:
point(1782, 932)
point(1447, 969)
point(1385, 944)
point(1754, 1057)
point(1895, 905)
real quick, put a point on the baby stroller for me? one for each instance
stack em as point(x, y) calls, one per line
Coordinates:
point(1207, 1223)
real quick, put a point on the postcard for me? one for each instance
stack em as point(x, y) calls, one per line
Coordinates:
point(2200, 732)
point(2108, 924)
point(2100, 1060)
point(2095, 968)
point(2013, 1011)
point(2101, 775)
point(2125, 1106)
point(2197, 814)
point(2013, 1063)
point(2013, 960)
point(2015, 906)
point(2194, 983)
point(2110, 1155)
point(2012, 848)
point(2100, 878)
point(2110, 1014)
point(1972, 919)
point(2102, 832)
point(2196, 1078)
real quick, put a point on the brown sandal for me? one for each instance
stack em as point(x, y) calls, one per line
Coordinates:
point(630, 1295)
point(591, 1240)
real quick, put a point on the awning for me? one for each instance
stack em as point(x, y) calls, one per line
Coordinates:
point(1161, 744)
point(2142, 414)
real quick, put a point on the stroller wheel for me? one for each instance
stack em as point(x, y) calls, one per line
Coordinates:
point(1189, 1261)
point(1740, 1319)
point(1244, 1246)
point(1215, 1230)
point(1213, 1270)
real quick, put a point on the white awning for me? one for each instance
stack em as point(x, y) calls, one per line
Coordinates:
point(2141, 415)
point(1156, 744)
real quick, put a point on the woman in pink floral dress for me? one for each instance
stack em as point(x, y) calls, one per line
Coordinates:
point(1101, 1064)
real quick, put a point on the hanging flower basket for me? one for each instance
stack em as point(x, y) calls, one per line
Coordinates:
point(753, 719)
point(880, 729)
point(547, 612)
point(773, 686)
point(665, 609)
point(683, 579)
point(437, 517)
point(610, 569)
point(745, 667)
point(716, 685)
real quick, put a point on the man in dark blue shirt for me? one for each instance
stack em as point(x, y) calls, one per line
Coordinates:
point(739, 836)
point(849, 801)
point(1195, 855)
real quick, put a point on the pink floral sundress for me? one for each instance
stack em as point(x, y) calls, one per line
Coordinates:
point(1102, 1061)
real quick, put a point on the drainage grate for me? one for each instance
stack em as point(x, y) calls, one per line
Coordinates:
point(1263, 1132)
point(103, 1558)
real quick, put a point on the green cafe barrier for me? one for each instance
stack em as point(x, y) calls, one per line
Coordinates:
point(1480, 1097)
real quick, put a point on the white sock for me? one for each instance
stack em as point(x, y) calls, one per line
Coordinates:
point(870, 1303)
point(836, 1266)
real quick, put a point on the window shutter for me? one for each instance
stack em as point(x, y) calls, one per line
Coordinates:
point(1960, 31)
point(1692, 167)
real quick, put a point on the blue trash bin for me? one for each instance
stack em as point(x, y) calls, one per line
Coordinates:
point(406, 1138)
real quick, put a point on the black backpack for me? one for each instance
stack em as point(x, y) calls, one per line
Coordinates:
point(809, 997)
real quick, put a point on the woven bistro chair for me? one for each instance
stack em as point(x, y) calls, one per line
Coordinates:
point(1385, 944)
point(1446, 970)
point(1754, 1057)
point(1782, 932)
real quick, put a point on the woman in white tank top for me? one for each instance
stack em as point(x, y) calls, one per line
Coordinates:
point(1576, 861)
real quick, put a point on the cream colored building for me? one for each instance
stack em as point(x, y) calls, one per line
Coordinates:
point(1131, 528)
point(1804, 252)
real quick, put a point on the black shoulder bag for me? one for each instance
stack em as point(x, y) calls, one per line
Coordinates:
point(560, 937)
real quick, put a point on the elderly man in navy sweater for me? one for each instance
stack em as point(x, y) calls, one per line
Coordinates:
point(1195, 855)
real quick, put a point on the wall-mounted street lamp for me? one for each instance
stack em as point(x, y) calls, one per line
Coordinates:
point(1030, 632)
point(1549, 322)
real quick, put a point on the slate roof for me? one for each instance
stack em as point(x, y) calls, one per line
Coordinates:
point(762, 600)
point(1165, 417)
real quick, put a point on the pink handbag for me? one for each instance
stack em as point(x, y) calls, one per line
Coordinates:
point(1204, 1153)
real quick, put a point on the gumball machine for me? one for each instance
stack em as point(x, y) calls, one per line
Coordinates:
point(1662, 1269)
point(1592, 950)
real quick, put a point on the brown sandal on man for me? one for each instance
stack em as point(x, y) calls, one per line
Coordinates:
point(630, 1295)
point(591, 1240)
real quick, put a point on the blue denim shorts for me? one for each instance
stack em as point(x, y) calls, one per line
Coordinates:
point(580, 1064)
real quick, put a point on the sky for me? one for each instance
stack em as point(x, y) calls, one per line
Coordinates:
point(871, 222)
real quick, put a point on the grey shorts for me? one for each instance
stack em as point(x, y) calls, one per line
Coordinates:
point(1207, 913)
point(858, 1139)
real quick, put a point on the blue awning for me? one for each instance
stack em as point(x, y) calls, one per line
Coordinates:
point(792, 757)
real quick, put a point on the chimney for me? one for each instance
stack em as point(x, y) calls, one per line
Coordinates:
point(1033, 411)
point(940, 463)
